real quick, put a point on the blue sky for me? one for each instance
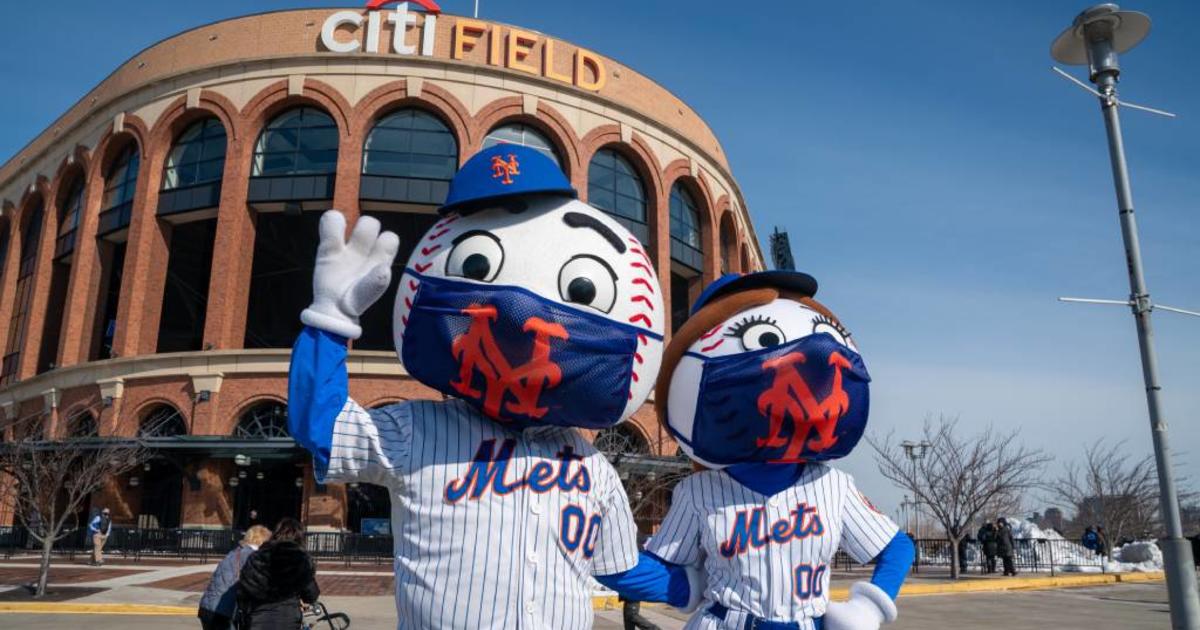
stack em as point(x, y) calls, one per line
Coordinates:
point(941, 183)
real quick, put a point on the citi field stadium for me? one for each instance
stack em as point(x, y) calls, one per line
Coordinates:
point(157, 239)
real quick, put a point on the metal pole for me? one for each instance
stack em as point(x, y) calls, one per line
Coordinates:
point(1180, 573)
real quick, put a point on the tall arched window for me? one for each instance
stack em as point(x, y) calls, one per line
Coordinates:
point(616, 188)
point(70, 211)
point(119, 187)
point(524, 135)
point(295, 157)
point(409, 156)
point(82, 424)
point(193, 169)
point(264, 420)
point(162, 421)
point(31, 232)
point(685, 228)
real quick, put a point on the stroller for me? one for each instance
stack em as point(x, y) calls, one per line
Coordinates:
point(318, 617)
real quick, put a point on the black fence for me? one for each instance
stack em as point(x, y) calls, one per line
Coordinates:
point(1029, 555)
point(201, 545)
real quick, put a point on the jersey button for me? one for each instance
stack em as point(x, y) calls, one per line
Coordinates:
point(535, 507)
point(529, 608)
point(531, 557)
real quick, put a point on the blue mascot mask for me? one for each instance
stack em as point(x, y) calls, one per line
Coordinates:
point(810, 396)
point(521, 359)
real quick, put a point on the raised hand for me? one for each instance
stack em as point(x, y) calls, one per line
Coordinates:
point(350, 275)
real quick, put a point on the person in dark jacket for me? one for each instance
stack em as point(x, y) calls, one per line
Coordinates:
point(219, 602)
point(1103, 547)
point(276, 580)
point(1005, 545)
point(987, 541)
point(1090, 540)
point(962, 552)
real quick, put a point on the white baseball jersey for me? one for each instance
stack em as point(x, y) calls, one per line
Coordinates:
point(769, 556)
point(493, 528)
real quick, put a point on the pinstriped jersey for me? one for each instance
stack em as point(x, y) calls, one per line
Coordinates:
point(493, 529)
point(769, 556)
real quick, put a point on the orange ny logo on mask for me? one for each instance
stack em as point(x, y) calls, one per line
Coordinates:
point(790, 395)
point(476, 351)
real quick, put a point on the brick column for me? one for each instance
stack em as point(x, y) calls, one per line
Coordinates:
point(233, 247)
point(349, 174)
point(211, 506)
point(43, 270)
point(323, 510)
point(8, 277)
point(660, 234)
point(145, 271)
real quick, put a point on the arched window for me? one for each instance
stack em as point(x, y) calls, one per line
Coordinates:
point(82, 424)
point(524, 135)
point(615, 187)
point(31, 231)
point(193, 169)
point(119, 187)
point(409, 156)
point(264, 420)
point(162, 421)
point(69, 213)
point(295, 157)
point(685, 228)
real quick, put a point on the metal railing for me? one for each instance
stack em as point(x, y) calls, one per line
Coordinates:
point(1029, 554)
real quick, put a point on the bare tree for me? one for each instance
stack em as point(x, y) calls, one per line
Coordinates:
point(648, 479)
point(1111, 489)
point(961, 477)
point(51, 479)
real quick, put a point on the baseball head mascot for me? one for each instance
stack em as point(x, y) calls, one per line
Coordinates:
point(533, 313)
point(761, 387)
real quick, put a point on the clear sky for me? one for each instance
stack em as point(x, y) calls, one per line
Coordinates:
point(938, 180)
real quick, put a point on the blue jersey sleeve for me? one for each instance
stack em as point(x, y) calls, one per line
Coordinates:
point(318, 387)
point(650, 580)
point(892, 564)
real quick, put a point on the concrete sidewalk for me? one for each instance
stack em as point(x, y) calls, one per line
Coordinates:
point(175, 588)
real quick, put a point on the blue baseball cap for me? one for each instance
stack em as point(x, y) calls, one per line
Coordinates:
point(794, 281)
point(504, 170)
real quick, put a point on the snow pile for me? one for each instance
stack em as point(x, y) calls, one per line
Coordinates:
point(1141, 556)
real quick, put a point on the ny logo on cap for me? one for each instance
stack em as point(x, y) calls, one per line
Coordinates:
point(504, 170)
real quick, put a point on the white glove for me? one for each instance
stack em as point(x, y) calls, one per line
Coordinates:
point(349, 275)
point(698, 581)
point(867, 609)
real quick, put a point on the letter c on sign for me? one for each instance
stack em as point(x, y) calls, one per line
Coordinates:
point(331, 24)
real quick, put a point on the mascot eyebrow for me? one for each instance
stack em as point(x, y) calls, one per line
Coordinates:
point(580, 220)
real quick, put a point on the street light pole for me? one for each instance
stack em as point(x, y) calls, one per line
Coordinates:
point(915, 451)
point(1096, 37)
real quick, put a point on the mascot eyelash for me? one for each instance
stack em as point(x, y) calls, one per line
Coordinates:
point(740, 327)
point(822, 319)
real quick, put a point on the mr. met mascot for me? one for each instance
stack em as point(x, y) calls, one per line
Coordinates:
point(535, 314)
point(760, 387)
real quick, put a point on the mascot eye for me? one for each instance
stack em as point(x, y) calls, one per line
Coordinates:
point(587, 280)
point(757, 332)
point(823, 324)
point(476, 255)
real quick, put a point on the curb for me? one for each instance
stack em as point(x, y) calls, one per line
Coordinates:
point(68, 608)
point(1026, 584)
point(610, 602)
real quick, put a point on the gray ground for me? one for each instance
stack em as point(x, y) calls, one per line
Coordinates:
point(1125, 606)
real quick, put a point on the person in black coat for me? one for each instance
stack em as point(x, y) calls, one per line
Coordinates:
point(987, 542)
point(1005, 545)
point(276, 580)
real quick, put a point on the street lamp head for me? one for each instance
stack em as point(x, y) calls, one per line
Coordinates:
point(1097, 36)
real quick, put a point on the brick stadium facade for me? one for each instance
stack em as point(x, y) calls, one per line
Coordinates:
point(156, 239)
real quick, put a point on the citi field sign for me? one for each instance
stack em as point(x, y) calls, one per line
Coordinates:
point(413, 30)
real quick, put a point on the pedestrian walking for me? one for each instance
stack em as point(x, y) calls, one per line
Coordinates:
point(987, 542)
point(631, 610)
point(218, 605)
point(276, 581)
point(1005, 545)
point(962, 552)
point(98, 530)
